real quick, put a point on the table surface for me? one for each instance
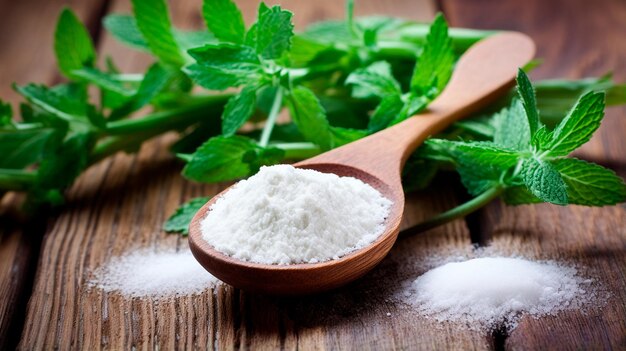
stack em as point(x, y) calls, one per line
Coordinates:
point(120, 203)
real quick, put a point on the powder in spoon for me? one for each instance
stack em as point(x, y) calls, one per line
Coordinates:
point(145, 273)
point(490, 292)
point(286, 215)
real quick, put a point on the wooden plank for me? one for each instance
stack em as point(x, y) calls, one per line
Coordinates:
point(592, 238)
point(26, 56)
point(120, 204)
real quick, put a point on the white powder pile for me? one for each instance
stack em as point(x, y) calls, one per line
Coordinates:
point(285, 215)
point(491, 292)
point(146, 273)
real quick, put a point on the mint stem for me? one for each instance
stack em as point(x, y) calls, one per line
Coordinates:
point(160, 122)
point(457, 212)
point(271, 119)
point(298, 151)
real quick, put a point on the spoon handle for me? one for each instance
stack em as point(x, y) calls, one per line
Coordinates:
point(483, 74)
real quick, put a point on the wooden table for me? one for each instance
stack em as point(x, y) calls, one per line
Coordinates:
point(119, 205)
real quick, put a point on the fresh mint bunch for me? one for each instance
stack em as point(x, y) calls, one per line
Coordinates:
point(273, 95)
point(526, 162)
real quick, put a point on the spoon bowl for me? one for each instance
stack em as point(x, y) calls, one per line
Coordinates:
point(303, 278)
point(484, 73)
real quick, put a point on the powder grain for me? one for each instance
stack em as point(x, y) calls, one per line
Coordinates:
point(284, 215)
point(145, 273)
point(491, 292)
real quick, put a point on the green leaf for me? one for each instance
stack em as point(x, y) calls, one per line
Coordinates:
point(156, 27)
point(179, 221)
point(527, 95)
point(304, 50)
point(103, 80)
point(224, 19)
point(153, 82)
point(578, 126)
point(20, 148)
point(62, 106)
point(72, 45)
point(329, 32)
point(418, 173)
point(223, 66)
point(310, 118)
point(519, 195)
point(512, 128)
point(227, 158)
point(342, 136)
point(482, 165)
point(544, 181)
point(434, 64)
point(590, 184)
point(390, 107)
point(375, 79)
point(124, 28)
point(6, 113)
point(273, 31)
point(238, 110)
point(59, 168)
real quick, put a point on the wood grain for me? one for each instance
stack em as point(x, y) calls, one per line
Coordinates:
point(26, 56)
point(120, 204)
point(592, 238)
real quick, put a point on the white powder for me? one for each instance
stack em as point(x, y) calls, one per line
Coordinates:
point(285, 215)
point(153, 274)
point(492, 292)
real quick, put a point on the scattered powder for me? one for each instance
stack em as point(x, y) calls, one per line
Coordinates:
point(145, 273)
point(285, 215)
point(491, 292)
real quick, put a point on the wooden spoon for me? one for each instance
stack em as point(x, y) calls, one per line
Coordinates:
point(485, 72)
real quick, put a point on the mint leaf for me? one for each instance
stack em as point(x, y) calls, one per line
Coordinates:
point(342, 136)
point(527, 95)
point(223, 66)
point(179, 221)
point(375, 79)
point(238, 110)
point(544, 181)
point(519, 195)
point(156, 27)
point(434, 64)
point(102, 80)
point(72, 45)
point(226, 158)
point(153, 82)
point(6, 113)
point(590, 184)
point(389, 108)
point(512, 128)
point(224, 19)
point(482, 165)
point(310, 118)
point(59, 168)
point(273, 31)
point(20, 148)
point(62, 106)
point(124, 28)
point(578, 126)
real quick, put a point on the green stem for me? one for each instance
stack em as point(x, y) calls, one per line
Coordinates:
point(457, 212)
point(271, 119)
point(298, 151)
point(160, 122)
point(17, 179)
